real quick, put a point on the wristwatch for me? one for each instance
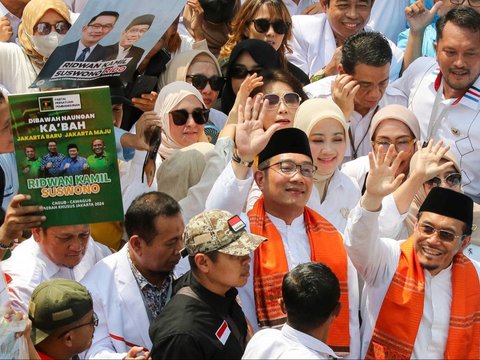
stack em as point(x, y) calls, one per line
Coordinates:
point(238, 160)
point(318, 76)
point(7, 247)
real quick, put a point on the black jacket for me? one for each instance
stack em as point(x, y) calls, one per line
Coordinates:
point(188, 328)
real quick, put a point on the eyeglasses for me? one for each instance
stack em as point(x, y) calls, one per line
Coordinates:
point(473, 3)
point(93, 322)
point(200, 81)
point(288, 167)
point(400, 145)
point(451, 180)
point(180, 117)
point(263, 25)
point(241, 72)
point(291, 100)
point(101, 27)
point(444, 235)
point(44, 28)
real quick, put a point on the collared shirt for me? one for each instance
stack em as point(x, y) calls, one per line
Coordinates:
point(80, 49)
point(297, 9)
point(122, 52)
point(56, 160)
point(100, 163)
point(455, 121)
point(287, 343)
point(376, 260)
point(155, 298)
point(14, 21)
point(31, 167)
point(77, 165)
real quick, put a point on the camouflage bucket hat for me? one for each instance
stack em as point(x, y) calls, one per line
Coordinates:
point(219, 230)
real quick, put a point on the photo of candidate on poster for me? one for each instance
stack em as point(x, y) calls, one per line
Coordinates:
point(108, 42)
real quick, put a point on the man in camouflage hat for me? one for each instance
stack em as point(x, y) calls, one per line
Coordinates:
point(203, 320)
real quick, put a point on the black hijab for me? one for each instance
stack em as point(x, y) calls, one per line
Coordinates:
point(263, 54)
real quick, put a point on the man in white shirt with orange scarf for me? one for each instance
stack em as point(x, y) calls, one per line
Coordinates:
point(422, 296)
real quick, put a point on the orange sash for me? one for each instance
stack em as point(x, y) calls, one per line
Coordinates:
point(402, 310)
point(270, 265)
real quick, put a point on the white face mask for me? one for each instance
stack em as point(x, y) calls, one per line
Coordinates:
point(45, 44)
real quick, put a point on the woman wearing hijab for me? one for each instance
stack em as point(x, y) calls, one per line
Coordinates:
point(334, 194)
point(248, 57)
point(44, 24)
point(183, 117)
point(201, 69)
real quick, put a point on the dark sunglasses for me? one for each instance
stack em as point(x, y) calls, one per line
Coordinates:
point(279, 26)
point(44, 28)
point(241, 72)
point(290, 99)
point(200, 81)
point(180, 117)
point(452, 180)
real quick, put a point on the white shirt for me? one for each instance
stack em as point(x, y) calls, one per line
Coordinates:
point(297, 9)
point(287, 343)
point(297, 251)
point(17, 73)
point(29, 266)
point(458, 121)
point(376, 260)
point(14, 22)
point(9, 166)
point(313, 45)
point(81, 47)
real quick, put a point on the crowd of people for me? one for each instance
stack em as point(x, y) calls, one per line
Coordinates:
point(315, 193)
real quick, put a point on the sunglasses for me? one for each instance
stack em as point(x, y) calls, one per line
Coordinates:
point(263, 25)
point(452, 180)
point(200, 81)
point(180, 117)
point(444, 235)
point(291, 100)
point(44, 28)
point(241, 72)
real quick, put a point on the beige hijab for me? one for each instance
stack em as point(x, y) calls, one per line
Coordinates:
point(420, 196)
point(309, 114)
point(32, 13)
point(168, 98)
point(177, 68)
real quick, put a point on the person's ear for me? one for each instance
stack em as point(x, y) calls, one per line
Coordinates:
point(36, 233)
point(340, 69)
point(465, 242)
point(67, 339)
point(324, 4)
point(282, 305)
point(136, 244)
point(259, 177)
point(337, 309)
point(203, 262)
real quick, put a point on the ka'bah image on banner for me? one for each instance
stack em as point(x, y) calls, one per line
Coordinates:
point(66, 154)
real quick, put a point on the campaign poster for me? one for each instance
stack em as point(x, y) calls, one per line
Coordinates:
point(107, 42)
point(66, 154)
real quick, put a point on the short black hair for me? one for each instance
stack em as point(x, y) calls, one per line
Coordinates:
point(462, 16)
point(311, 293)
point(213, 255)
point(144, 210)
point(367, 47)
point(328, 2)
point(51, 141)
point(72, 146)
point(104, 13)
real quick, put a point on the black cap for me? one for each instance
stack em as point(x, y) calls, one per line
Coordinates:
point(284, 141)
point(146, 19)
point(218, 11)
point(450, 203)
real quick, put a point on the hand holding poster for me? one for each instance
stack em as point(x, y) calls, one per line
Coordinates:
point(66, 155)
point(108, 42)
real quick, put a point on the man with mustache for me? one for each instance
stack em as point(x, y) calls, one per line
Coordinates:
point(296, 234)
point(444, 93)
point(204, 320)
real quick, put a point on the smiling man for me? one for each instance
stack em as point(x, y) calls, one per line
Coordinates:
point(317, 39)
point(422, 294)
point(204, 320)
point(444, 93)
point(296, 234)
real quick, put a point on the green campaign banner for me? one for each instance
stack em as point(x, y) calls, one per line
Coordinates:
point(66, 154)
